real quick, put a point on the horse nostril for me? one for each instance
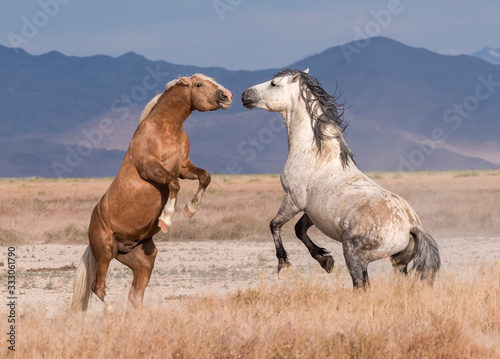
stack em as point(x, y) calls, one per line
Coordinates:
point(222, 96)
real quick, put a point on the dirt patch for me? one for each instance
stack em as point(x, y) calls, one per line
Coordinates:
point(45, 272)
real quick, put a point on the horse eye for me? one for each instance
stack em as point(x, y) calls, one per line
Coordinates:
point(198, 84)
point(273, 84)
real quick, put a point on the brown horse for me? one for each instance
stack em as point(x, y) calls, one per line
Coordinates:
point(141, 199)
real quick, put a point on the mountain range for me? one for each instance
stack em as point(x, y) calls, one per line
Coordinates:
point(408, 108)
point(489, 54)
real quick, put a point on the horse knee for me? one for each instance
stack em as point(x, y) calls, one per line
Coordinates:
point(205, 179)
point(174, 186)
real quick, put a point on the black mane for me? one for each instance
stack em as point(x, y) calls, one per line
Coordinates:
point(315, 97)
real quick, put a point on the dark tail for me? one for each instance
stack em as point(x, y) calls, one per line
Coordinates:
point(426, 259)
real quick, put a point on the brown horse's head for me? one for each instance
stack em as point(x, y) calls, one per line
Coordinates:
point(206, 94)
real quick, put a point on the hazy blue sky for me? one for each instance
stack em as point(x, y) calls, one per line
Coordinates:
point(242, 34)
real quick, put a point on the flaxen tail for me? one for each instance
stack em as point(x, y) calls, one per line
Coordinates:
point(84, 278)
point(426, 258)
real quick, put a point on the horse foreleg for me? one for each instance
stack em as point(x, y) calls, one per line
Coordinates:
point(320, 254)
point(190, 171)
point(165, 219)
point(141, 260)
point(286, 212)
point(153, 171)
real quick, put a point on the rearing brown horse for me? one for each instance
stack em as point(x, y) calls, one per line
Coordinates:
point(141, 199)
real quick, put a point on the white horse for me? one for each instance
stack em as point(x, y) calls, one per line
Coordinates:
point(321, 179)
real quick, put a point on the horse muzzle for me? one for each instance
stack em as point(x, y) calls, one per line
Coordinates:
point(224, 99)
point(247, 99)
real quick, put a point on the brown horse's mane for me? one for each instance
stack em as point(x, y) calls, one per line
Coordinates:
point(154, 100)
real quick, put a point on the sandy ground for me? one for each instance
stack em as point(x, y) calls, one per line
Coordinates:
point(45, 272)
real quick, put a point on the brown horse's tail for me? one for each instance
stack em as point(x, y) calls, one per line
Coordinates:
point(84, 277)
point(426, 254)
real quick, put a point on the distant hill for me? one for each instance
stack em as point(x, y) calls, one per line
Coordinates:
point(400, 101)
point(36, 157)
point(489, 54)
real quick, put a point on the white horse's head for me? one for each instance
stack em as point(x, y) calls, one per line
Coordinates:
point(297, 96)
point(275, 95)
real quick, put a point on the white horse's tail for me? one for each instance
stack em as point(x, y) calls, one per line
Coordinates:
point(84, 278)
point(426, 254)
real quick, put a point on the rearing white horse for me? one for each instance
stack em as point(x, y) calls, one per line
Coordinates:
point(321, 179)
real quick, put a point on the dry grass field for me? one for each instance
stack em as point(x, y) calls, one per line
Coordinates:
point(214, 292)
point(36, 211)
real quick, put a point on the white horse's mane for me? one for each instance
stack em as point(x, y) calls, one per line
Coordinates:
point(169, 85)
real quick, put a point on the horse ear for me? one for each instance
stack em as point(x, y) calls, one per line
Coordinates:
point(295, 77)
point(184, 81)
point(306, 70)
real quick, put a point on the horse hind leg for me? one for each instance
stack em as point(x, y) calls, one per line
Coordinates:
point(357, 264)
point(401, 259)
point(101, 242)
point(141, 261)
point(320, 254)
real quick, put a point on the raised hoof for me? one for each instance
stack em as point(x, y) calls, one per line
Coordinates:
point(327, 263)
point(164, 228)
point(285, 270)
point(186, 212)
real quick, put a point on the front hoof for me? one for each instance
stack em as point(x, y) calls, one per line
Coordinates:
point(327, 263)
point(285, 270)
point(187, 213)
point(164, 228)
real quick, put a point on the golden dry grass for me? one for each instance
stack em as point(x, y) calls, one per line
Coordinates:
point(307, 316)
point(451, 203)
point(303, 317)
point(240, 207)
